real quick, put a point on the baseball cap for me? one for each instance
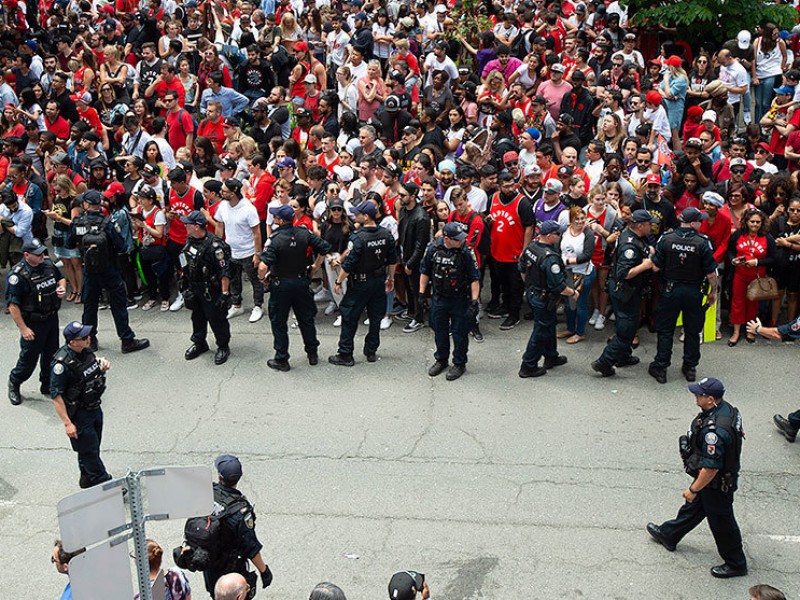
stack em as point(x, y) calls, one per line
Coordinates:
point(301, 112)
point(310, 78)
point(674, 61)
point(653, 97)
point(75, 329)
point(440, 8)
point(365, 208)
point(234, 185)
point(694, 143)
point(392, 103)
point(360, 17)
point(709, 115)
point(642, 216)
point(784, 90)
point(580, 8)
point(510, 156)
point(398, 76)
point(195, 218)
point(84, 97)
point(145, 191)
point(653, 178)
point(91, 197)
point(344, 172)
point(567, 118)
point(150, 170)
point(455, 231)
point(565, 171)
point(404, 585)
point(629, 37)
point(764, 146)
point(283, 212)
point(532, 169)
point(286, 162)
point(227, 164)
point(743, 39)
point(539, 100)
point(114, 188)
point(535, 134)
point(547, 227)
point(714, 199)
point(229, 468)
point(737, 162)
point(708, 386)
point(553, 186)
point(558, 68)
point(34, 246)
point(692, 215)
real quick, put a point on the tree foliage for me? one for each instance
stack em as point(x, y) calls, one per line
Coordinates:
point(710, 19)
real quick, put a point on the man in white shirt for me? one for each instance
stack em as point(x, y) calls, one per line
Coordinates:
point(337, 43)
point(439, 61)
point(734, 76)
point(466, 175)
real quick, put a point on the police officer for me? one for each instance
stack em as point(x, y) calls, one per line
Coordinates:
point(686, 258)
point(238, 540)
point(450, 266)
point(369, 265)
point(99, 242)
point(625, 283)
point(545, 283)
point(77, 383)
point(205, 261)
point(285, 260)
point(33, 296)
point(711, 453)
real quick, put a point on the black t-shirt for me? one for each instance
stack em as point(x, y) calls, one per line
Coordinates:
point(434, 136)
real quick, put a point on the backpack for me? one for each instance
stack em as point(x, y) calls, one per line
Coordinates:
point(96, 248)
point(195, 124)
point(519, 47)
point(202, 538)
point(484, 245)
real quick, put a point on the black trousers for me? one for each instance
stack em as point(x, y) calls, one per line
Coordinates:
point(415, 307)
point(206, 313)
point(89, 424)
point(369, 294)
point(39, 350)
point(286, 295)
point(511, 287)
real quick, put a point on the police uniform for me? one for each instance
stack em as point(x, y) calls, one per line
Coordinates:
point(32, 289)
point(205, 262)
point(286, 254)
point(80, 381)
point(714, 442)
point(99, 242)
point(545, 279)
point(371, 249)
point(790, 425)
point(451, 272)
point(684, 258)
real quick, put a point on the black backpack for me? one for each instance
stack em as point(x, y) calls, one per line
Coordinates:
point(202, 539)
point(519, 47)
point(96, 248)
point(484, 246)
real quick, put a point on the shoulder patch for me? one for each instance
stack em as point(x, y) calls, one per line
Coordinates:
point(219, 253)
point(711, 450)
point(58, 368)
point(796, 325)
point(350, 245)
point(555, 268)
point(629, 253)
point(711, 438)
point(13, 280)
point(249, 520)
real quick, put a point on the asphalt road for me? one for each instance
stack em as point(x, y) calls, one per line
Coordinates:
point(494, 486)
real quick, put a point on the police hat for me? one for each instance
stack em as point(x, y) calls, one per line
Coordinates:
point(642, 216)
point(454, 231)
point(283, 212)
point(365, 208)
point(708, 386)
point(550, 227)
point(76, 329)
point(229, 468)
point(195, 218)
point(692, 215)
point(34, 246)
point(91, 197)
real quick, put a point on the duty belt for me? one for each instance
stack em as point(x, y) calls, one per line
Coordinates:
point(367, 276)
point(37, 317)
point(537, 292)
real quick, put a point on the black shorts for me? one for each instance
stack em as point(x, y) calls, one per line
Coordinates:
point(788, 276)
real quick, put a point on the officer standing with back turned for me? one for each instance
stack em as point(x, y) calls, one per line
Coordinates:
point(686, 258)
point(99, 242)
point(625, 283)
point(205, 283)
point(451, 268)
point(285, 260)
point(33, 296)
point(369, 265)
point(545, 283)
point(711, 453)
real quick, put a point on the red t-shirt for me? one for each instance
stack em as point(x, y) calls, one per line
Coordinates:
point(91, 117)
point(162, 87)
point(179, 125)
point(60, 128)
point(719, 233)
point(212, 131)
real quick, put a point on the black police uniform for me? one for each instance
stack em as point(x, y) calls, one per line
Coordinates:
point(99, 242)
point(626, 298)
point(79, 380)
point(451, 272)
point(33, 290)
point(205, 261)
point(544, 275)
point(238, 540)
point(684, 258)
point(715, 442)
point(286, 254)
point(371, 251)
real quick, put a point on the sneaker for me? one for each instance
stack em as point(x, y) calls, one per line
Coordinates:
point(256, 314)
point(106, 306)
point(338, 321)
point(476, 334)
point(497, 313)
point(593, 318)
point(366, 321)
point(386, 322)
point(600, 323)
point(148, 305)
point(138, 297)
point(132, 304)
point(397, 308)
point(509, 323)
point(412, 327)
point(341, 360)
point(177, 304)
point(405, 316)
point(331, 308)
point(322, 295)
point(164, 305)
point(235, 311)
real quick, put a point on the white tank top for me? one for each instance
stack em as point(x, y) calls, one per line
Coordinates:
point(769, 64)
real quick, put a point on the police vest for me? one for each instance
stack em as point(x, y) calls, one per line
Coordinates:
point(733, 425)
point(683, 259)
point(449, 272)
point(376, 249)
point(291, 245)
point(628, 238)
point(226, 505)
point(87, 379)
point(41, 301)
point(535, 276)
point(200, 268)
point(95, 245)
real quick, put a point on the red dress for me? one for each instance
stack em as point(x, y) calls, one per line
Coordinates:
point(747, 247)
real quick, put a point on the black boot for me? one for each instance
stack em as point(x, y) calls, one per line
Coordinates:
point(134, 345)
point(13, 393)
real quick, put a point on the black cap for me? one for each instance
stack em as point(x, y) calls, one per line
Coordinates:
point(195, 218)
point(213, 185)
point(92, 197)
point(229, 468)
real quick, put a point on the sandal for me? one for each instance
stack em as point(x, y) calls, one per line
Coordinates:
point(575, 339)
point(635, 343)
point(78, 295)
point(70, 297)
point(565, 334)
point(732, 342)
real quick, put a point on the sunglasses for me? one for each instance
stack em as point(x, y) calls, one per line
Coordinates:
point(513, 163)
point(336, 208)
point(794, 210)
point(760, 151)
point(738, 171)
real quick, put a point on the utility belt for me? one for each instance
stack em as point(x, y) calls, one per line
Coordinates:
point(673, 283)
point(276, 279)
point(37, 317)
point(362, 277)
point(550, 298)
point(624, 288)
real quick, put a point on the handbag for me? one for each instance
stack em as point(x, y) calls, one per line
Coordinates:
point(763, 288)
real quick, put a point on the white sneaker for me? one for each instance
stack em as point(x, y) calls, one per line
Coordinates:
point(322, 295)
point(338, 321)
point(331, 308)
point(148, 305)
point(366, 321)
point(235, 311)
point(600, 323)
point(256, 314)
point(177, 304)
point(386, 322)
point(593, 318)
point(164, 305)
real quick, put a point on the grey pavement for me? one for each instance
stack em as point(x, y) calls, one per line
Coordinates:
point(494, 486)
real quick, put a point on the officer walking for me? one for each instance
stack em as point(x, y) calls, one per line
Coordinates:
point(686, 258)
point(711, 453)
point(205, 279)
point(99, 242)
point(626, 281)
point(451, 268)
point(545, 283)
point(285, 261)
point(77, 383)
point(369, 265)
point(33, 296)
point(238, 540)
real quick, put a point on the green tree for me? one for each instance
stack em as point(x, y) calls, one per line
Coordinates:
point(717, 19)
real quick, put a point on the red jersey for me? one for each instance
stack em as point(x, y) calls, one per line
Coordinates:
point(261, 192)
point(182, 206)
point(150, 219)
point(59, 128)
point(91, 117)
point(475, 229)
point(322, 162)
point(508, 233)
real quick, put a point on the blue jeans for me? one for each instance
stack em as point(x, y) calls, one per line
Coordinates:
point(577, 317)
point(763, 94)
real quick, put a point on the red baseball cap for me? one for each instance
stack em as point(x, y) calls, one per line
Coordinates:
point(113, 189)
point(653, 97)
point(653, 178)
point(765, 147)
point(301, 47)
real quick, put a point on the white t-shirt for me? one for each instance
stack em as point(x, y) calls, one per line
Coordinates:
point(767, 167)
point(476, 197)
point(239, 221)
point(734, 75)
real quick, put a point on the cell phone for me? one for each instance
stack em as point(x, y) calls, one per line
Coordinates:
point(137, 216)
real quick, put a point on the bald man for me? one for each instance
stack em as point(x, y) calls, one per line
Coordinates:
point(231, 587)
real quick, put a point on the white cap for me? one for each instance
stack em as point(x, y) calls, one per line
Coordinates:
point(743, 39)
point(440, 8)
point(310, 78)
point(532, 169)
point(709, 115)
point(344, 173)
point(553, 185)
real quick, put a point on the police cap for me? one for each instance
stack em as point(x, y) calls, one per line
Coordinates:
point(708, 386)
point(34, 246)
point(454, 231)
point(229, 468)
point(548, 227)
point(692, 215)
point(642, 216)
point(76, 329)
point(284, 212)
point(195, 218)
point(91, 197)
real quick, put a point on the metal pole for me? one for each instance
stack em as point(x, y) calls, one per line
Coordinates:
point(133, 483)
